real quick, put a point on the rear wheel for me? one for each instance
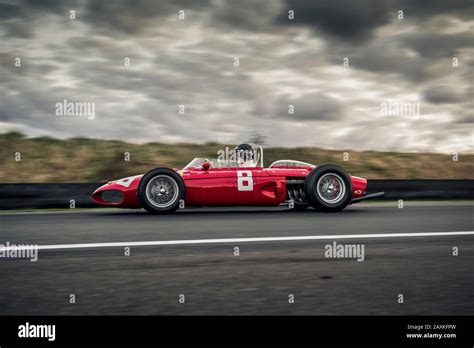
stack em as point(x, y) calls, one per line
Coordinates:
point(161, 190)
point(328, 188)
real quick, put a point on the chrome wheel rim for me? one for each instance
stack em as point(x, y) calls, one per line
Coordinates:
point(331, 188)
point(162, 191)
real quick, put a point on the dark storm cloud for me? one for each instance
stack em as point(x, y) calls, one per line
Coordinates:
point(428, 44)
point(246, 14)
point(51, 5)
point(310, 107)
point(356, 20)
point(469, 120)
point(133, 16)
point(383, 57)
point(112, 17)
point(30, 9)
point(9, 10)
point(424, 9)
point(19, 30)
point(346, 18)
point(446, 94)
point(17, 18)
point(419, 54)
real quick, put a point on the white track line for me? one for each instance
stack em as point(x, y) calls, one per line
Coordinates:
point(233, 240)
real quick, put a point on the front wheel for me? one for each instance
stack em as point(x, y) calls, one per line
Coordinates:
point(161, 190)
point(328, 188)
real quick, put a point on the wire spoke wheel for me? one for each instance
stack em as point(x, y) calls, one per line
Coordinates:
point(328, 188)
point(331, 188)
point(162, 191)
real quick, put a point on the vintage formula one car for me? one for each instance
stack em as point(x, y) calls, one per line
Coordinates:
point(237, 180)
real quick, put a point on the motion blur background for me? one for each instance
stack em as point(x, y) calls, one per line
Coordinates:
point(338, 63)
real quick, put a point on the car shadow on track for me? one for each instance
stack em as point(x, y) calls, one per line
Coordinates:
point(209, 211)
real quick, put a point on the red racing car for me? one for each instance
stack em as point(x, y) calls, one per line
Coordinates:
point(238, 179)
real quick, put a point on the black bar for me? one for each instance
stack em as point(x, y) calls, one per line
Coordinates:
point(288, 330)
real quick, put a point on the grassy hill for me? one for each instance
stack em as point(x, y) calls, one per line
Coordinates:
point(46, 159)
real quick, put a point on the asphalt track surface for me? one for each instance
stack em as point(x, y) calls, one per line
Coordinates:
point(259, 281)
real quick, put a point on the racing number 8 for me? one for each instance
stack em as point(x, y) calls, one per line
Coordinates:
point(244, 180)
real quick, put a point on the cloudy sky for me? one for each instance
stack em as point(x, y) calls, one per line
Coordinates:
point(424, 59)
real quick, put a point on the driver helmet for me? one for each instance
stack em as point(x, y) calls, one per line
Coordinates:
point(245, 155)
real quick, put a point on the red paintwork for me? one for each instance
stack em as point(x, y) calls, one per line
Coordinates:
point(218, 186)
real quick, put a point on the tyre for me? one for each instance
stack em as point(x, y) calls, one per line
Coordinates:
point(160, 191)
point(328, 188)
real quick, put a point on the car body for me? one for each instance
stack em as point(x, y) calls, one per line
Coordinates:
point(208, 183)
